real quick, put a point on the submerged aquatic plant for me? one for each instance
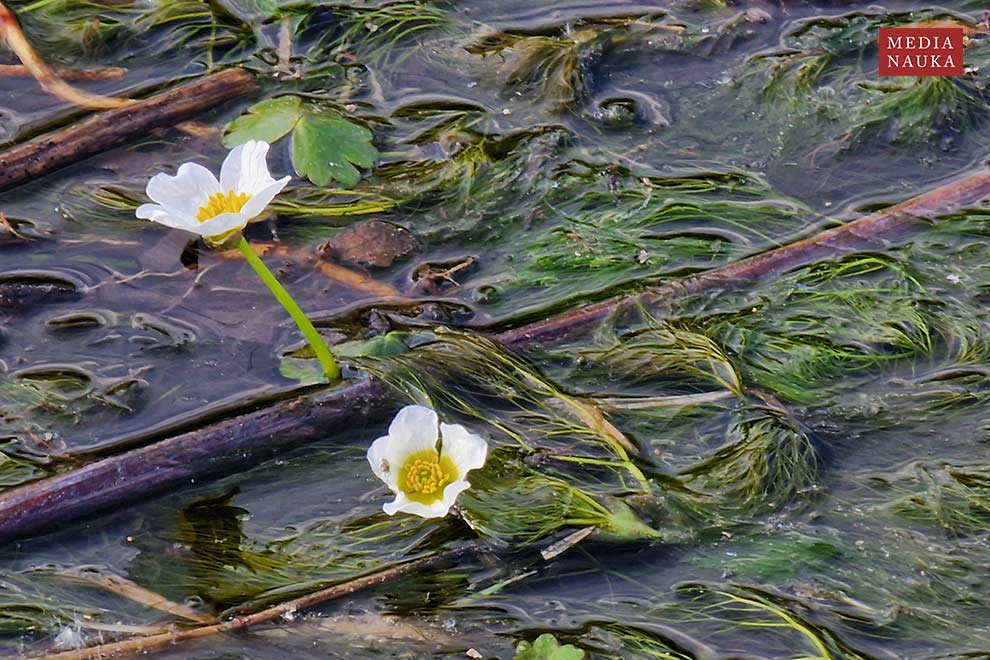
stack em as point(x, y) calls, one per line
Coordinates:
point(376, 31)
point(198, 24)
point(667, 350)
point(920, 110)
point(769, 461)
point(956, 497)
point(824, 75)
point(426, 482)
point(72, 28)
point(557, 68)
point(792, 622)
point(558, 461)
point(194, 201)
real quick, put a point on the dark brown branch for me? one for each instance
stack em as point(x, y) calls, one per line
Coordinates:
point(111, 128)
point(223, 447)
point(246, 440)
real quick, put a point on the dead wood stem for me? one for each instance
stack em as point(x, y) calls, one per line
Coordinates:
point(67, 73)
point(287, 609)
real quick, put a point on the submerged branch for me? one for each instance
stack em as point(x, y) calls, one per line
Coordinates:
point(246, 440)
point(220, 448)
point(347, 277)
point(286, 609)
point(877, 228)
point(135, 592)
point(108, 129)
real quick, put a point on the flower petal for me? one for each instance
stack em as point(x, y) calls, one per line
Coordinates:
point(378, 458)
point(157, 213)
point(414, 429)
point(216, 226)
point(221, 224)
point(184, 193)
point(245, 169)
point(451, 492)
point(467, 450)
point(437, 509)
point(254, 206)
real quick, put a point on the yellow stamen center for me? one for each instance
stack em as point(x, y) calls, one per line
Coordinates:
point(218, 203)
point(425, 475)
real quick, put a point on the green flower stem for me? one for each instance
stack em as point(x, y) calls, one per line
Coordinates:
point(323, 353)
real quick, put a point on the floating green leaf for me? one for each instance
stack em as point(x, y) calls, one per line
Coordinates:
point(391, 343)
point(269, 120)
point(325, 145)
point(546, 647)
point(307, 372)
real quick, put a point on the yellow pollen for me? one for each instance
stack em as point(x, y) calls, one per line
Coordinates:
point(218, 203)
point(425, 475)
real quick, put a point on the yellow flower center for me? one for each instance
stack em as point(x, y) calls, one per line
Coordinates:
point(218, 203)
point(425, 475)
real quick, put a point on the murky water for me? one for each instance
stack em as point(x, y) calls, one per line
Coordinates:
point(833, 503)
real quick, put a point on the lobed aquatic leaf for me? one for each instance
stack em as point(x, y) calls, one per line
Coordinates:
point(268, 121)
point(546, 647)
point(325, 146)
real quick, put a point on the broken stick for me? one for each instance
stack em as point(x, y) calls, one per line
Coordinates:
point(345, 276)
point(111, 128)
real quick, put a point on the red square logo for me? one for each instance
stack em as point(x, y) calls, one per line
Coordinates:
point(921, 51)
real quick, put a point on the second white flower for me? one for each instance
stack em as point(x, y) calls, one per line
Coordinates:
point(426, 481)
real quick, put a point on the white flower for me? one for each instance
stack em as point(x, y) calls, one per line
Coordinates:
point(195, 201)
point(425, 481)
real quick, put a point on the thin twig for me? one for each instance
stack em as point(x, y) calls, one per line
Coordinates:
point(135, 592)
point(672, 401)
point(6, 227)
point(345, 276)
point(287, 609)
point(66, 73)
point(558, 548)
point(11, 33)
point(284, 50)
